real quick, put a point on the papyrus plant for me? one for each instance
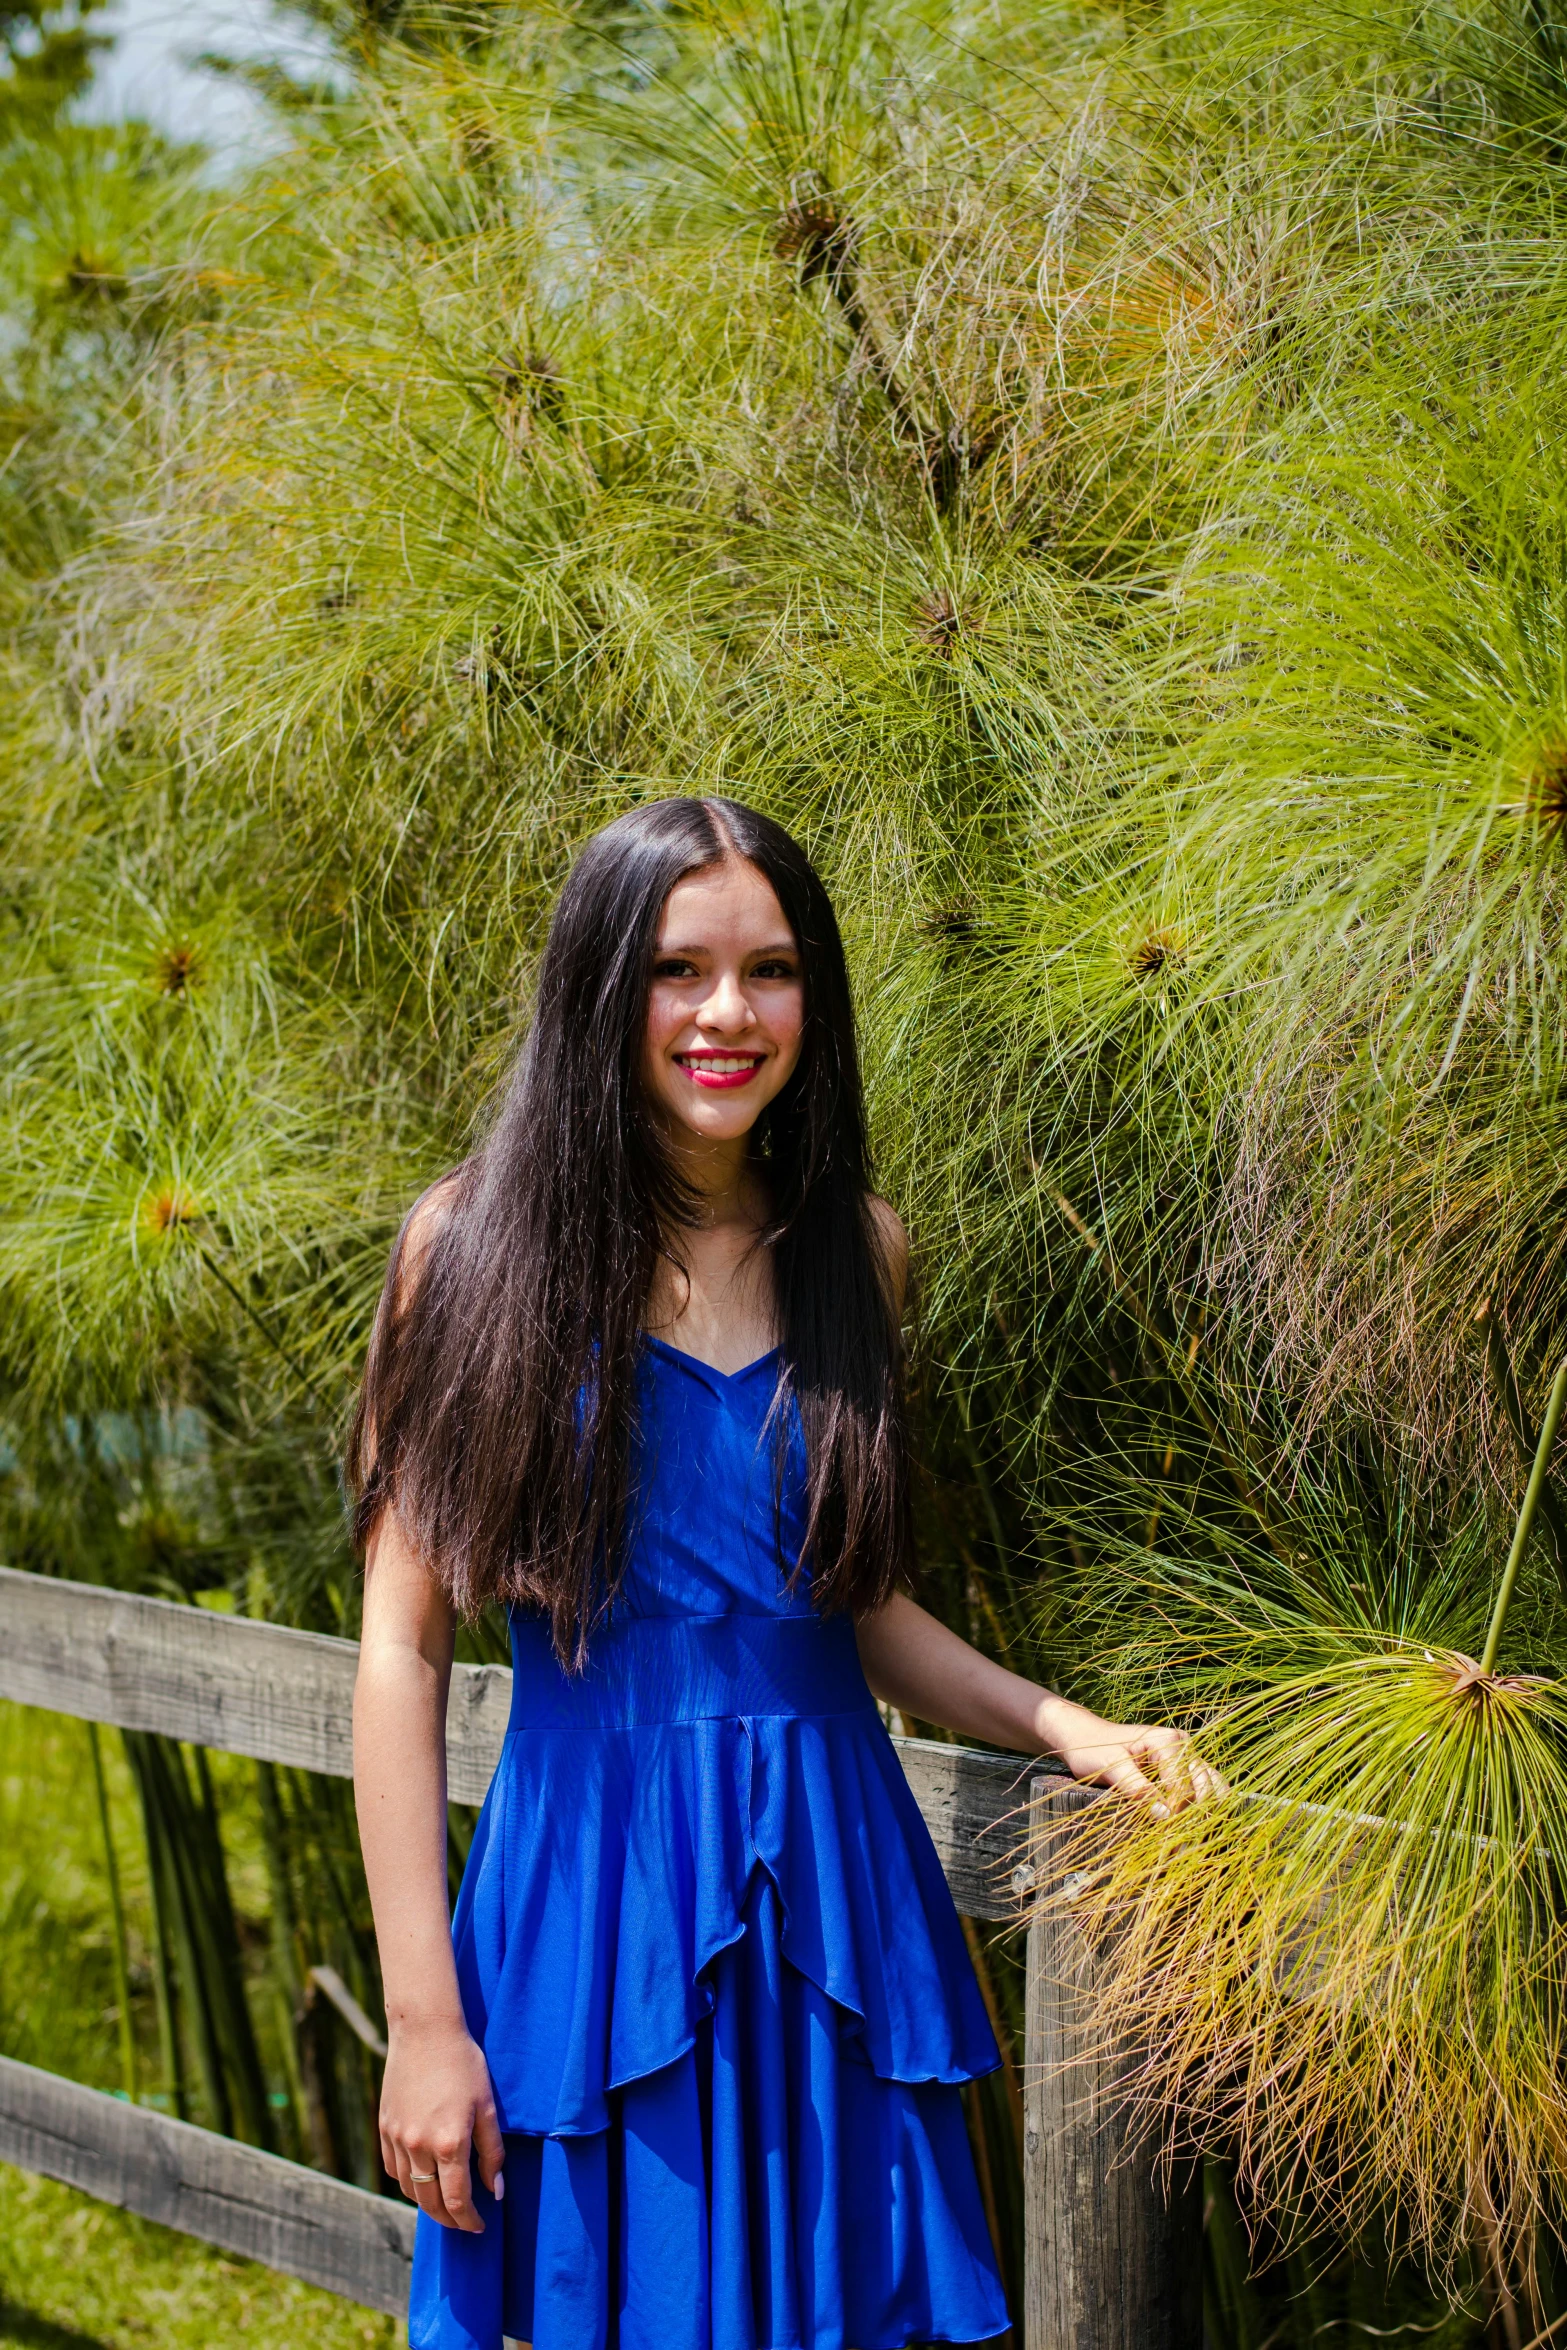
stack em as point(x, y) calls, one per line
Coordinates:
point(1351, 1972)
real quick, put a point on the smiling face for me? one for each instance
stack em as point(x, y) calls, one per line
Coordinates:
point(726, 1011)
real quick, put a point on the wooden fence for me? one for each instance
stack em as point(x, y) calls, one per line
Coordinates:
point(1110, 2261)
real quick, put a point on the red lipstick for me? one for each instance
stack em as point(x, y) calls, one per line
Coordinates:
point(699, 1068)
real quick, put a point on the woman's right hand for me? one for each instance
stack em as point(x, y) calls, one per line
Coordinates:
point(437, 2109)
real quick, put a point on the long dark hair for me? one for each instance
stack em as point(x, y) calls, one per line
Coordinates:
point(499, 1397)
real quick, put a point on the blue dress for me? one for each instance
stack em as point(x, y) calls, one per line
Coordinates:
point(707, 1948)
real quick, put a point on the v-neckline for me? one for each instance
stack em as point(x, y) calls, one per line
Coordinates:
point(700, 1362)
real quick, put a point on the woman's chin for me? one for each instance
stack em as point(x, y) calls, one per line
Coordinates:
point(731, 1123)
point(713, 1117)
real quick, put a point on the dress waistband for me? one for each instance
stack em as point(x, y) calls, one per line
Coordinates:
point(648, 1669)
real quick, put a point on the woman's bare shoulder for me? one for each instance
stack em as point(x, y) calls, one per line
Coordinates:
point(425, 1220)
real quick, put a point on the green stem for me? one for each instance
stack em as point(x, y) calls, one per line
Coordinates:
point(265, 1327)
point(1531, 1502)
point(186, 1916)
point(122, 1963)
point(287, 1979)
point(223, 1966)
point(1505, 1380)
point(137, 1743)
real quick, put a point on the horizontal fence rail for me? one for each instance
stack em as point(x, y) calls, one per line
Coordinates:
point(1109, 2261)
point(288, 1697)
point(289, 2218)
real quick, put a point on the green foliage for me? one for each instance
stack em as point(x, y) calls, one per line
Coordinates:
point(54, 1926)
point(46, 60)
point(1099, 479)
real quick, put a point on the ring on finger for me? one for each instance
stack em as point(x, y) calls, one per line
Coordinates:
point(423, 2178)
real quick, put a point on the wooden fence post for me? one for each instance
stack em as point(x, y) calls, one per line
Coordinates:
point(1111, 2260)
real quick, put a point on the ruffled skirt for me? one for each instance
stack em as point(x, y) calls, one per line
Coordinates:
point(766, 2191)
point(706, 1946)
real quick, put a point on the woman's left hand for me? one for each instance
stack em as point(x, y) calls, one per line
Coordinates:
point(916, 1664)
point(1155, 1766)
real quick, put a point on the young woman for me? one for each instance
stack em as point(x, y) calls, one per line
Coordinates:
point(684, 2073)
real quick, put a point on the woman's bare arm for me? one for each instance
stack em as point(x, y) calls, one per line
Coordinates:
point(436, 2102)
point(913, 1662)
point(916, 1664)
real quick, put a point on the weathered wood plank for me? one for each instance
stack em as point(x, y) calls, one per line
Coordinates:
point(478, 1706)
point(287, 1697)
point(215, 1680)
point(976, 1808)
point(1110, 2259)
point(148, 1664)
point(277, 2212)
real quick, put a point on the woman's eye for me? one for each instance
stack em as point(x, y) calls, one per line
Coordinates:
point(673, 967)
point(775, 970)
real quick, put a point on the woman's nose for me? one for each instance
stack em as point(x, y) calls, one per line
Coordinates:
point(727, 1006)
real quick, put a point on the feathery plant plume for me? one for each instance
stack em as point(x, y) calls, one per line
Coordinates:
point(1351, 1971)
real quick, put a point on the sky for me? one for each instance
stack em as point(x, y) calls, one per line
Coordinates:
point(149, 72)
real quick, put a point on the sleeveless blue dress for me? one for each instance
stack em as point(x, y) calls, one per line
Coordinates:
point(707, 1948)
